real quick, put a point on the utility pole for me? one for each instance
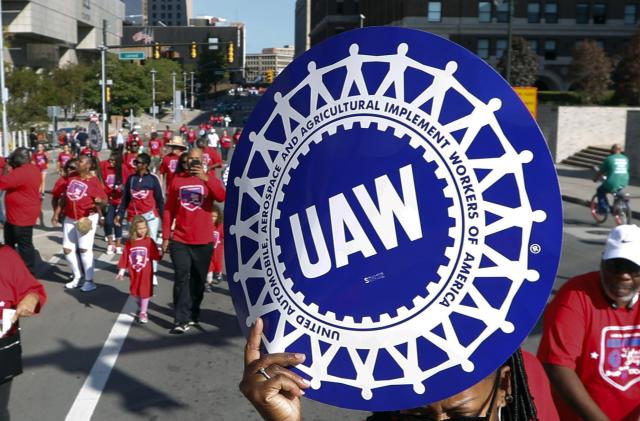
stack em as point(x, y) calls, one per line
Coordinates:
point(192, 96)
point(153, 94)
point(4, 93)
point(173, 101)
point(184, 88)
point(103, 80)
point(509, 39)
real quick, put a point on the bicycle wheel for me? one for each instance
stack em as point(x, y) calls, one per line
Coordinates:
point(598, 217)
point(622, 213)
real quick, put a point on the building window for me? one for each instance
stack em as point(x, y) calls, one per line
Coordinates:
point(533, 45)
point(599, 13)
point(501, 47)
point(630, 11)
point(533, 12)
point(600, 43)
point(551, 12)
point(502, 12)
point(582, 13)
point(550, 49)
point(483, 48)
point(484, 11)
point(434, 11)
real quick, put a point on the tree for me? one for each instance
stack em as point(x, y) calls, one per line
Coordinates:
point(28, 98)
point(524, 63)
point(626, 76)
point(164, 81)
point(211, 67)
point(68, 82)
point(590, 71)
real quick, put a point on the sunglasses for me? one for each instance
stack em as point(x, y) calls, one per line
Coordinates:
point(136, 162)
point(621, 266)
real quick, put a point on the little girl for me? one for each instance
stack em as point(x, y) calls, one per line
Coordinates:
point(41, 160)
point(139, 251)
point(215, 266)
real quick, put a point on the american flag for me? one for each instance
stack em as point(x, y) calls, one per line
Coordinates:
point(143, 36)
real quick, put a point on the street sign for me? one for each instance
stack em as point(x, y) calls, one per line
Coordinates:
point(213, 43)
point(131, 55)
point(54, 111)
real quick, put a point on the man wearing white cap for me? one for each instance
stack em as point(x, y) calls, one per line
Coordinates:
point(591, 340)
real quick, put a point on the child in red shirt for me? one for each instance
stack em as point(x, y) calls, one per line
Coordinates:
point(155, 150)
point(41, 160)
point(63, 158)
point(214, 275)
point(139, 251)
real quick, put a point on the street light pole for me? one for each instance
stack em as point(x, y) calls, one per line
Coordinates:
point(192, 99)
point(173, 101)
point(184, 88)
point(362, 18)
point(153, 95)
point(4, 93)
point(509, 39)
point(103, 79)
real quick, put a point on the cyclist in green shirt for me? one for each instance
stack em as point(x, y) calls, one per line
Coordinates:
point(615, 171)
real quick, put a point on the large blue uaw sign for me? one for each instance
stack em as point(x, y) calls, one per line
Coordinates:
point(394, 214)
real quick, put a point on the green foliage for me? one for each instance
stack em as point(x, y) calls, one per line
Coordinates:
point(131, 86)
point(164, 81)
point(211, 67)
point(68, 83)
point(590, 72)
point(559, 97)
point(626, 76)
point(524, 63)
point(28, 97)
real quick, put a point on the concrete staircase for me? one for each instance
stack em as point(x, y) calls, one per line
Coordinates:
point(587, 158)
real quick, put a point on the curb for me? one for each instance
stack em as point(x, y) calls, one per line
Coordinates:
point(587, 203)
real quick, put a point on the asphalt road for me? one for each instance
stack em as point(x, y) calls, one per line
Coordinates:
point(158, 376)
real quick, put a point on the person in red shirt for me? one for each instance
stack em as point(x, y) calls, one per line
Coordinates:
point(211, 158)
point(113, 189)
point(139, 251)
point(170, 160)
point(89, 151)
point(22, 293)
point(23, 204)
point(84, 196)
point(133, 149)
point(225, 144)
point(190, 198)
point(63, 158)
point(155, 150)
point(41, 160)
point(183, 130)
point(191, 138)
point(236, 137)
point(166, 136)
point(134, 137)
point(214, 276)
point(590, 344)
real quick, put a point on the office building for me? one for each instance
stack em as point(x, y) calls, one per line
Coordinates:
point(270, 59)
point(169, 12)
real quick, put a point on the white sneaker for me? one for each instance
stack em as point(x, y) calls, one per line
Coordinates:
point(88, 286)
point(73, 284)
point(155, 280)
point(111, 249)
point(118, 250)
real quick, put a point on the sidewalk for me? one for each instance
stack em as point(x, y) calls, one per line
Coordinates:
point(577, 186)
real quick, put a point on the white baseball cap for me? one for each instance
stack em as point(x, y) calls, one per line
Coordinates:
point(623, 243)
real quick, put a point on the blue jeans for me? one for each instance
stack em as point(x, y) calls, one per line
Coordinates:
point(109, 226)
point(603, 203)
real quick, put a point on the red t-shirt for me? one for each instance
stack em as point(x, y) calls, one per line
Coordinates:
point(225, 142)
point(63, 158)
point(137, 258)
point(236, 138)
point(168, 167)
point(134, 139)
point(583, 332)
point(218, 249)
point(41, 160)
point(192, 136)
point(155, 147)
point(127, 161)
point(109, 176)
point(539, 387)
point(211, 158)
point(82, 193)
point(16, 282)
point(22, 200)
point(189, 201)
point(167, 135)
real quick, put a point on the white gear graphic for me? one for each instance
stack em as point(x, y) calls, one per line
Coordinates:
point(440, 328)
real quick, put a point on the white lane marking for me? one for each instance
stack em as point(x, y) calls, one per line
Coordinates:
point(90, 392)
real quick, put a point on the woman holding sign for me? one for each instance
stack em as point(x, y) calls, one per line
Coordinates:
point(21, 295)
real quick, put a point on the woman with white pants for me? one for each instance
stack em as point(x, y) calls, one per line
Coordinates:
point(80, 196)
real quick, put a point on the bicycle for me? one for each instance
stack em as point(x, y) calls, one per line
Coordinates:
point(621, 210)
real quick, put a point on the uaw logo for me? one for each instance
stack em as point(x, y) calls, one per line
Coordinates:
point(173, 164)
point(138, 258)
point(110, 180)
point(140, 194)
point(191, 197)
point(620, 356)
point(76, 190)
point(394, 215)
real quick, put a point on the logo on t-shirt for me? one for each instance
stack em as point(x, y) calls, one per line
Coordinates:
point(110, 180)
point(173, 164)
point(191, 197)
point(395, 216)
point(620, 356)
point(76, 190)
point(138, 257)
point(41, 160)
point(216, 239)
point(140, 194)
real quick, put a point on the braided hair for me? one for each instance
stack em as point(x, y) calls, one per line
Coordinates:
point(521, 407)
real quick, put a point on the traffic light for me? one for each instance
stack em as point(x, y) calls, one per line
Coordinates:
point(156, 51)
point(269, 76)
point(230, 53)
point(194, 50)
point(108, 93)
